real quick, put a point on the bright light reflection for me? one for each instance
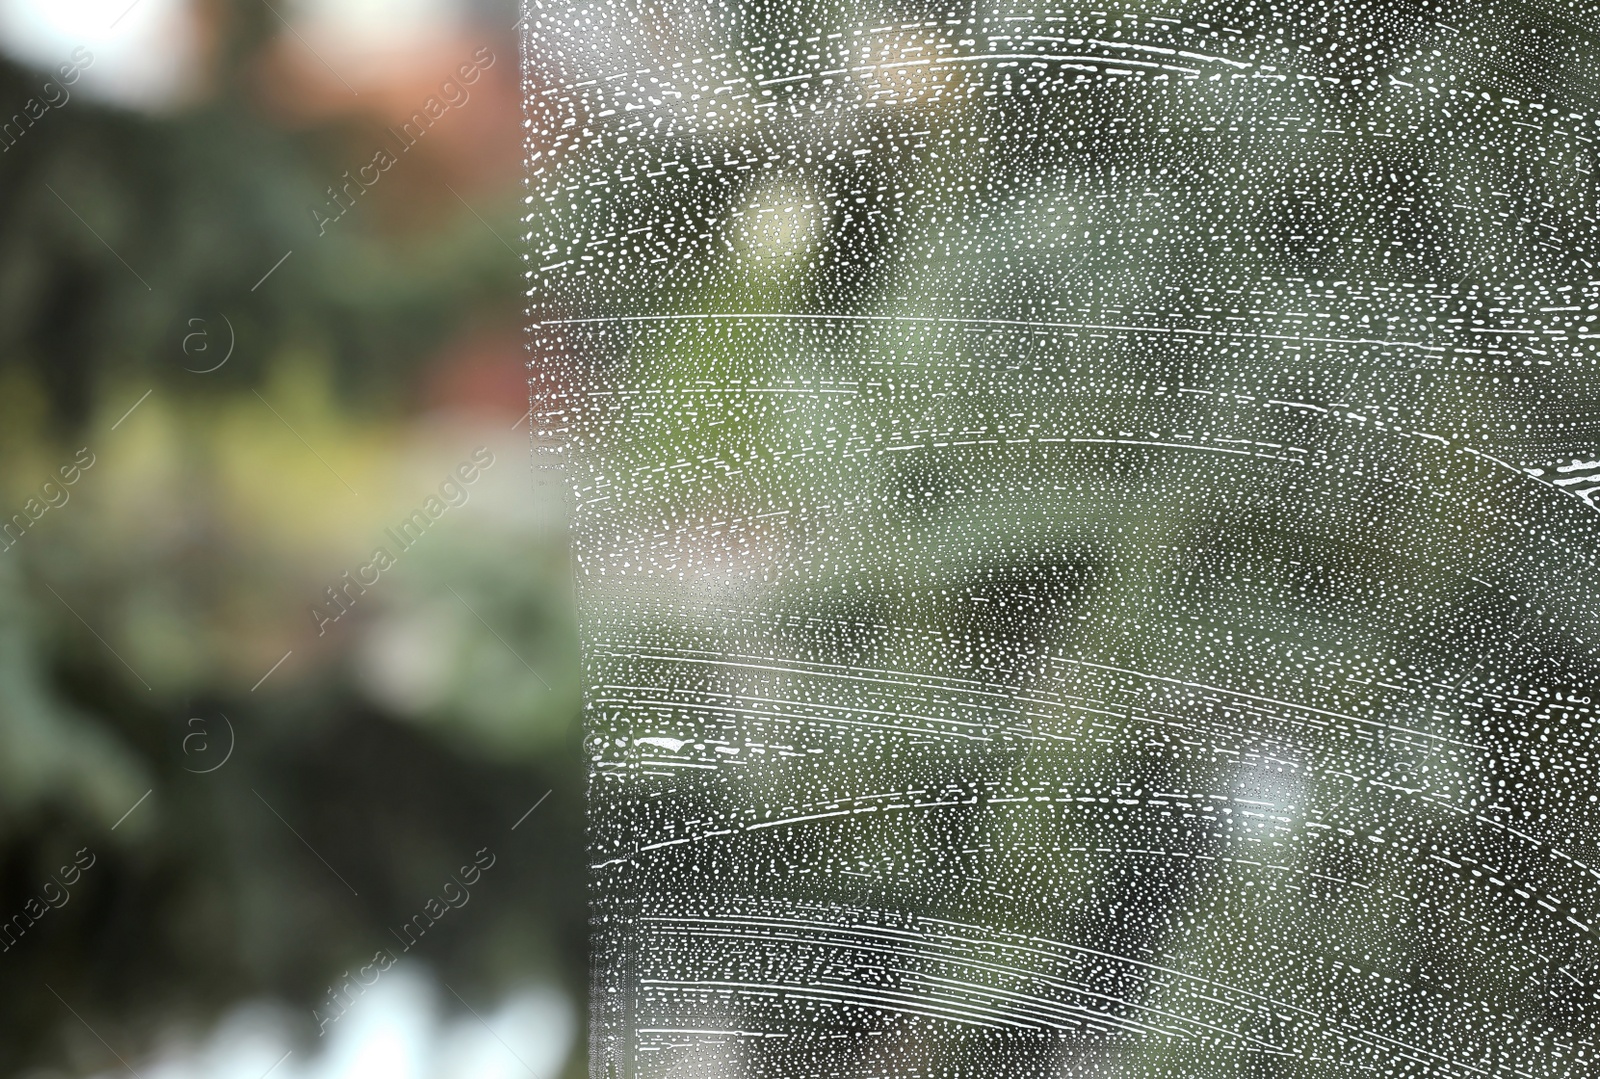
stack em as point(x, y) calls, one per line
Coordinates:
point(146, 53)
point(393, 1031)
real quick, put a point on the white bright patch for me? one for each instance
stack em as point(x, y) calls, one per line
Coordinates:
point(671, 745)
point(392, 1031)
point(146, 52)
point(363, 40)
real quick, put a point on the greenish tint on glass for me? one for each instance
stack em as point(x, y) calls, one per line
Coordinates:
point(1086, 532)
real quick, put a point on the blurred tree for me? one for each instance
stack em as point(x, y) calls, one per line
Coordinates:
point(199, 539)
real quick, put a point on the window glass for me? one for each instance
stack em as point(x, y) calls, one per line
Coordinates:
point(1085, 531)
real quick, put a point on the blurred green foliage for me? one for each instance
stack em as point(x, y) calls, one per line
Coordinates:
point(184, 564)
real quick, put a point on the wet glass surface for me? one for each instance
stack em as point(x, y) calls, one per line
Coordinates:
point(1085, 532)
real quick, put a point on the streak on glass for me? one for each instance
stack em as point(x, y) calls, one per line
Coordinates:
point(1086, 531)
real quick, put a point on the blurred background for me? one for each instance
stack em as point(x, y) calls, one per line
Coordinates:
point(290, 768)
point(260, 319)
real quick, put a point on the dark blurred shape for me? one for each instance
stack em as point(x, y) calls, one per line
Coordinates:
point(159, 621)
